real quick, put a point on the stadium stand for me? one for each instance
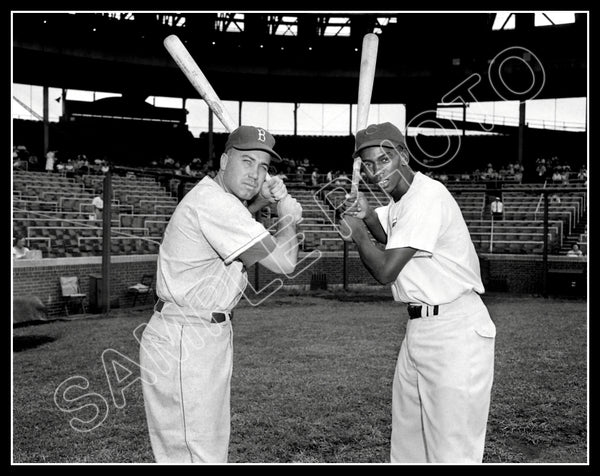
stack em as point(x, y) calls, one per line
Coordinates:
point(54, 213)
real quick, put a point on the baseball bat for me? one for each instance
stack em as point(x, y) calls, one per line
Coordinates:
point(368, 61)
point(194, 74)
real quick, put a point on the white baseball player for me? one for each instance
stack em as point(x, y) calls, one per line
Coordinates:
point(444, 373)
point(186, 349)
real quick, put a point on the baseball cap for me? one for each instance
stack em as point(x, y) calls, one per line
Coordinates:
point(385, 134)
point(252, 138)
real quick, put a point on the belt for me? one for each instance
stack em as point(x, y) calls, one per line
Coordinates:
point(216, 317)
point(414, 312)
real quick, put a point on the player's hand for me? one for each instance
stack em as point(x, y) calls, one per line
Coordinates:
point(350, 228)
point(357, 206)
point(289, 206)
point(273, 190)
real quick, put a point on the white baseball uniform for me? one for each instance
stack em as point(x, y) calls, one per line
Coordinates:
point(186, 359)
point(444, 373)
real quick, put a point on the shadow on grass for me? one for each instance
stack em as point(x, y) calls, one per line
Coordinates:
point(21, 343)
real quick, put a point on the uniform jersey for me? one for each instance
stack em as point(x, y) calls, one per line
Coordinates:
point(497, 207)
point(98, 203)
point(197, 261)
point(446, 265)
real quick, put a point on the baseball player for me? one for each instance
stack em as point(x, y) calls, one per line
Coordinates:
point(444, 372)
point(186, 348)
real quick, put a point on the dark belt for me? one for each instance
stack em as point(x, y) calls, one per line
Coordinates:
point(217, 317)
point(414, 312)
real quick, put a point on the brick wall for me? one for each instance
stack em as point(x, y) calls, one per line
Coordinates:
point(330, 263)
point(519, 274)
point(41, 278)
point(524, 274)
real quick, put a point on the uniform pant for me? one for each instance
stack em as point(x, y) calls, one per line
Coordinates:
point(442, 385)
point(186, 381)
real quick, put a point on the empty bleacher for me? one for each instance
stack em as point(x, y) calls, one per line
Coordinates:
point(55, 215)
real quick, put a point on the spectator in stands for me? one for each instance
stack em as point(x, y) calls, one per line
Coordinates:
point(582, 175)
point(50, 160)
point(105, 167)
point(300, 171)
point(18, 164)
point(19, 249)
point(342, 179)
point(330, 176)
point(60, 167)
point(541, 171)
point(33, 162)
point(169, 162)
point(554, 199)
point(98, 204)
point(97, 166)
point(497, 209)
point(70, 168)
point(314, 177)
point(519, 176)
point(82, 165)
point(575, 251)
point(21, 157)
point(556, 176)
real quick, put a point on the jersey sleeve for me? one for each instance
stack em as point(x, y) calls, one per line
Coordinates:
point(382, 214)
point(417, 225)
point(230, 228)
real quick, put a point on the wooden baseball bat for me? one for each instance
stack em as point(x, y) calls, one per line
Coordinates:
point(194, 74)
point(368, 61)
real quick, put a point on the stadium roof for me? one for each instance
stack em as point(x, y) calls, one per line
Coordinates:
point(301, 57)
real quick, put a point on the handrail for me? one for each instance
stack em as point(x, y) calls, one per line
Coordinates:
point(498, 120)
point(539, 201)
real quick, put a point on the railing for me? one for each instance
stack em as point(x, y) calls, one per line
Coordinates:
point(493, 119)
point(539, 204)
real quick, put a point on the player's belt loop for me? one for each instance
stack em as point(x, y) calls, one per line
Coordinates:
point(414, 312)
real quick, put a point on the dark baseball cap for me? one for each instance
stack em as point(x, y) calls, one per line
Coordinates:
point(252, 138)
point(385, 134)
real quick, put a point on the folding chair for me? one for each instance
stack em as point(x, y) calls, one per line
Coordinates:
point(71, 292)
point(143, 288)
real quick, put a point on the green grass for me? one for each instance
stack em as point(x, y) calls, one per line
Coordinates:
point(311, 382)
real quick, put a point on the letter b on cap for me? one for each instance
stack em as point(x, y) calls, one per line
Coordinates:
point(261, 135)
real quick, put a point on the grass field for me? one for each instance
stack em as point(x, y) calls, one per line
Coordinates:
point(311, 382)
